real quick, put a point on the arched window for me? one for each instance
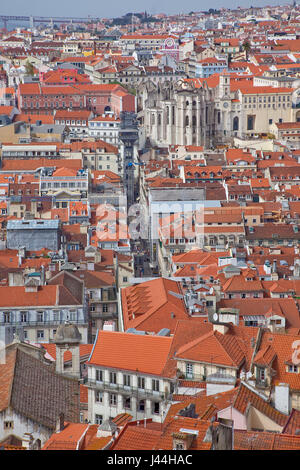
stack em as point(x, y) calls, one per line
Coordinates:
point(236, 123)
point(159, 119)
point(250, 123)
point(187, 121)
point(173, 115)
point(194, 121)
point(107, 109)
point(168, 115)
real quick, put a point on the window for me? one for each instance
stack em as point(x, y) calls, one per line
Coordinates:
point(293, 368)
point(113, 399)
point(189, 370)
point(127, 403)
point(8, 424)
point(155, 408)
point(236, 124)
point(221, 370)
point(179, 446)
point(141, 405)
point(113, 377)
point(6, 317)
point(39, 316)
point(105, 308)
point(141, 382)
point(155, 385)
point(40, 334)
point(98, 419)
point(99, 375)
point(98, 396)
point(23, 317)
point(250, 123)
point(126, 380)
point(261, 374)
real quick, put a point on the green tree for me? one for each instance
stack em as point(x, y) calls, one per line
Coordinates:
point(247, 48)
point(29, 68)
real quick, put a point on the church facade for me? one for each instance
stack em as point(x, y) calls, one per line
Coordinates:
point(208, 113)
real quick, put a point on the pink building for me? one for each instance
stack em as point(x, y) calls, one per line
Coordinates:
point(38, 99)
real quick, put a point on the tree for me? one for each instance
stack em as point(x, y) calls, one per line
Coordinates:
point(29, 68)
point(247, 48)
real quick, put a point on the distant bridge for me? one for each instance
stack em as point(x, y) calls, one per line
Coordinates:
point(44, 19)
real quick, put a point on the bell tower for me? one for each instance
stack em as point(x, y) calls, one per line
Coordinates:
point(67, 338)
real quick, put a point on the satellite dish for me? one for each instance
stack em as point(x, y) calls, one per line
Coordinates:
point(215, 317)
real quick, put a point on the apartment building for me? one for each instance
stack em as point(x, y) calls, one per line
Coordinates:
point(37, 310)
point(127, 373)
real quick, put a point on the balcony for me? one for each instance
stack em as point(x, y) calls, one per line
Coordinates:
point(127, 390)
point(190, 376)
point(46, 323)
point(262, 383)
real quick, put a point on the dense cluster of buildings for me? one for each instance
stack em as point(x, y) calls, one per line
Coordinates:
point(150, 233)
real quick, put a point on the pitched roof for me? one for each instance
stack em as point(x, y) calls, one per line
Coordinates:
point(215, 348)
point(251, 440)
point(245, 396)
point(34, 390)
point(69, 438)
point(143, 353)
point(153, 305)
point(136, 437)
point(293, 423)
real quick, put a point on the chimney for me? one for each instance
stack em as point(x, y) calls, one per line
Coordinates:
point(282, 398)
point(43, 275)
point(296, 268)
point(60, 423)
point(274, 266)
point(221, 328)
point(184, 439)
point(27, 441)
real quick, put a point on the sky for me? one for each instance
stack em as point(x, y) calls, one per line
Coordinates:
point(106, 9)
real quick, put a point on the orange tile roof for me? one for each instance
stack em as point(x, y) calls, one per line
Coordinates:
point(127, 351)
point(16, 296)
point(69, 438)
point(84, 350)
point(6, 378)
point(213, 348)
point(65, 172)
point(134, 437)
point(31, 165)
point(148, 306)
point(251, 440)
point(245, 396)
point(165, 441)
point(45, 118)
point(98, 443)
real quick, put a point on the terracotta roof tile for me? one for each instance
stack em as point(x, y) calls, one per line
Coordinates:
point(143, 353)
